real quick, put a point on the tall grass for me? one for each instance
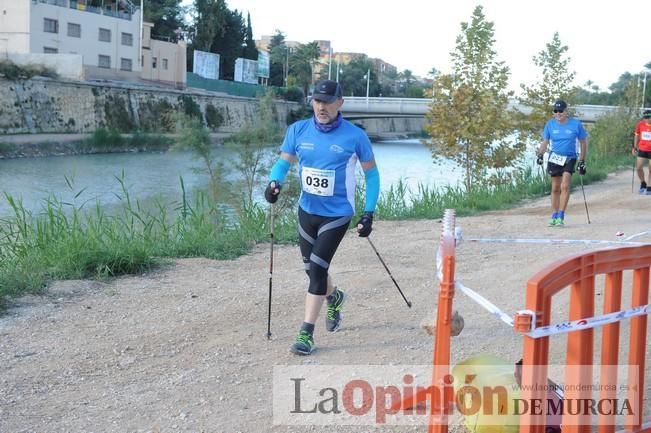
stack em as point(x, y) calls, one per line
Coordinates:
point(67, 242)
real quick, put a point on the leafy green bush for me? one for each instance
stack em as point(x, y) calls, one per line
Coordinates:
point(105, 139)
point(214, 117)
point(294, 94)
point(14, 72)
point(612, 134)
point(190, 108)
point(302, 112)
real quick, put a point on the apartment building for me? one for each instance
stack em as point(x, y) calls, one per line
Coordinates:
point(162, 61)
point(103, 36)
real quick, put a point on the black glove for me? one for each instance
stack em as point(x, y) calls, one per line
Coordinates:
point(581, 167)
point(366, 221)
point(272, 191)
point(539, 159)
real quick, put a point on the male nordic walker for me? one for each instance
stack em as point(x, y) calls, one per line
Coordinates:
point(327, 148)
point(563, 132)
point(642, 149)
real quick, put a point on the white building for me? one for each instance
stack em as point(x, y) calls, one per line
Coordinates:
point(90, 38)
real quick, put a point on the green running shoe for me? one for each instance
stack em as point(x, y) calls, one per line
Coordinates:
point(552, 222)
point(333, 315)
point(304, 344)
point(560, 222)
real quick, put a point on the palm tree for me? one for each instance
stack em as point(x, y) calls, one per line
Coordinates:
point(301, 64)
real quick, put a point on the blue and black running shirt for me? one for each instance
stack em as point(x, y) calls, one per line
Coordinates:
point(326, 165)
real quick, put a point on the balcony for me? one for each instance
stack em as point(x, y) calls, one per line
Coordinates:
point(122, 9)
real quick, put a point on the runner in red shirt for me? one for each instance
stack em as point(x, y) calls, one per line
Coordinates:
point(642, 149)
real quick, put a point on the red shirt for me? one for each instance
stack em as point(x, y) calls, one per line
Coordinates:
point(643, 131)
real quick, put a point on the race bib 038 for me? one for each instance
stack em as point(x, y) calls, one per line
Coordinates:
point(318, 182)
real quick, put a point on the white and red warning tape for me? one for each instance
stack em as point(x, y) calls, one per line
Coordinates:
point(559, 328)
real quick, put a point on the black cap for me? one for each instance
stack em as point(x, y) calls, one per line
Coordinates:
point(327, 91)
point(646, 114)
point(560, 105)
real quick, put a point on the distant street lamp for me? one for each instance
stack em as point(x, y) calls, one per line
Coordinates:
point(329, 62)
point(368, 82)
point(286, 63)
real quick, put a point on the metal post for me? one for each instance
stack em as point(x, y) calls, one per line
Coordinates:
point(286, 63)
point(368, 82)
point(142, 35)
point(329, 63)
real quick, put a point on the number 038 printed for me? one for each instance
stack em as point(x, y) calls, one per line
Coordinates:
point(318, 182)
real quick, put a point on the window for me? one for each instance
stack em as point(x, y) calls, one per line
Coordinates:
point(127, 39)
point(104, 61)
point(74, 30)
point(104, 35)
point(154, 60)
point(165, 64)
point(50, 25)
point(125, 64)
point(50, 50)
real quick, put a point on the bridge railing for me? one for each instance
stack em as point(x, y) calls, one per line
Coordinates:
point(420, 106)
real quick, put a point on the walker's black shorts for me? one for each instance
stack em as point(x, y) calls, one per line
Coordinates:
point(643, 154)
point(555, 170)
point(319, 238)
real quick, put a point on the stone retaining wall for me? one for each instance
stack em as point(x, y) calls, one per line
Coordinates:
point(42, 105)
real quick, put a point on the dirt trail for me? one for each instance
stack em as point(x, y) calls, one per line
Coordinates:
point(183, 349)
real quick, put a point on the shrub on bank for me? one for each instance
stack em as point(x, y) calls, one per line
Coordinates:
point(13, 72)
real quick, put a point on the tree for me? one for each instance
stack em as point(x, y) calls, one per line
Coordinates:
point(301, 64)
point(250, 51)
point(433, 73)
point(279, 59)
point(208, 20)
point(167, 17)
point(555, 83)
point(353, 78)
point(468, 120)
point(230, 43)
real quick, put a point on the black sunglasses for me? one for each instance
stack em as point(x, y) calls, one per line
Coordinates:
point(558, 111)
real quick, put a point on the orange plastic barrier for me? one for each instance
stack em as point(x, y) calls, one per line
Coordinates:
point(577, 272)
point(440, 394)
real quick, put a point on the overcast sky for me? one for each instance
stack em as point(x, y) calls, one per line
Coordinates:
point(605, 39)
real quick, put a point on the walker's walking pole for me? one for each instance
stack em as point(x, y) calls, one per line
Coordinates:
point(271, 268)
point(388, 271)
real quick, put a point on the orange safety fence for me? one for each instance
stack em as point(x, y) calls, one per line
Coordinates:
point(440, 393)
point(577, 272)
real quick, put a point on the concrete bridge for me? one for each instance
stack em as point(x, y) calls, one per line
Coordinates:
point(357, 108)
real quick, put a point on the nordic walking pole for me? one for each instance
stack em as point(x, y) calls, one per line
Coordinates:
point(271, 268)
point(388, 271)
point(584, 200)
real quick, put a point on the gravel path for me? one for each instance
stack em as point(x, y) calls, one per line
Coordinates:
point(183, 348)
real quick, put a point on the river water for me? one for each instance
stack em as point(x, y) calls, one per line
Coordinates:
point(88, 178)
